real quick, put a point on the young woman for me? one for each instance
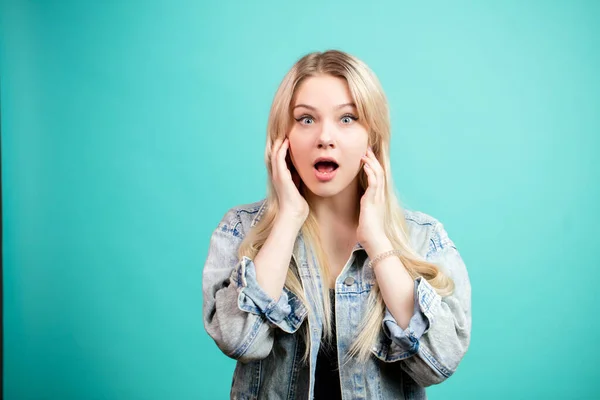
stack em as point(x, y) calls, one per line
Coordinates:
point(327, 288)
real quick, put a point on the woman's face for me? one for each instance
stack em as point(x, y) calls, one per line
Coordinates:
point(326, 127)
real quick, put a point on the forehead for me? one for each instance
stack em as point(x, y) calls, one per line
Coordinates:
point(323, 91)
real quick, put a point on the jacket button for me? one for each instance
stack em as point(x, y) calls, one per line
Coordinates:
point(349, 281)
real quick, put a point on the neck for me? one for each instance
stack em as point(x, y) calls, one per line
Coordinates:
point(340, 210)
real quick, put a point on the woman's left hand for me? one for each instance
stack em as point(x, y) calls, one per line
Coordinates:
point(371, 229)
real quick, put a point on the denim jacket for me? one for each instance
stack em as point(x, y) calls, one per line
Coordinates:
point(262, 334)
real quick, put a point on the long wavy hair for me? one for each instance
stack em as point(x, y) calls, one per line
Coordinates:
point(373, 111)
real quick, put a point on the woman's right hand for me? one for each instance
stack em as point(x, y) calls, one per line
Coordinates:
point(291, 202)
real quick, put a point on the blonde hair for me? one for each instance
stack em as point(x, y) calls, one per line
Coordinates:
point(373, 111)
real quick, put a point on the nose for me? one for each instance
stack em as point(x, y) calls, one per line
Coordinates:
point(325, 143)
point(325, 138)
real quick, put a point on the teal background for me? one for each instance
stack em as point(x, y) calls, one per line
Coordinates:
point(130, 128)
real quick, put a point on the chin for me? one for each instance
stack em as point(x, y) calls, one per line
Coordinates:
point(329, 189)
point(325, 192)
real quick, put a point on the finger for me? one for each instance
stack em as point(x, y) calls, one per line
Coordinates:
point(380, 175)
point(376, 181)
point(376, 165)
point(274, 151)
point(282, 153)
point(371, 163)
point(367, 159)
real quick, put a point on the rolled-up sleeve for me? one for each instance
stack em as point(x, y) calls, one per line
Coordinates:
point(238, 315)
point(287, 313)
point(439, 332)
point(406, 341)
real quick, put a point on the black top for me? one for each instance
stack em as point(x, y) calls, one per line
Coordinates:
point(327, 377)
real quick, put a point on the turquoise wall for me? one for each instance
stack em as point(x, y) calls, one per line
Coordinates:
point(130, 128)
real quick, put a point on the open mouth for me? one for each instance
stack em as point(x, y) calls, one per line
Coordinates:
point(325, 167)
point(325, 170)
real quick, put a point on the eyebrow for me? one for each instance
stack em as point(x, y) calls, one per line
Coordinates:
point(314, 109)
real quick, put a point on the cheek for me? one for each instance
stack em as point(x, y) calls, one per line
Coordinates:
point(357, 151)
point(353, 155)
point(298, 146)
point(296, 153)
point(356, 161)
point(360, 141)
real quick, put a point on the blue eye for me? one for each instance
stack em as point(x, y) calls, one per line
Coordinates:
point(305, 120)
point(348, 119)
